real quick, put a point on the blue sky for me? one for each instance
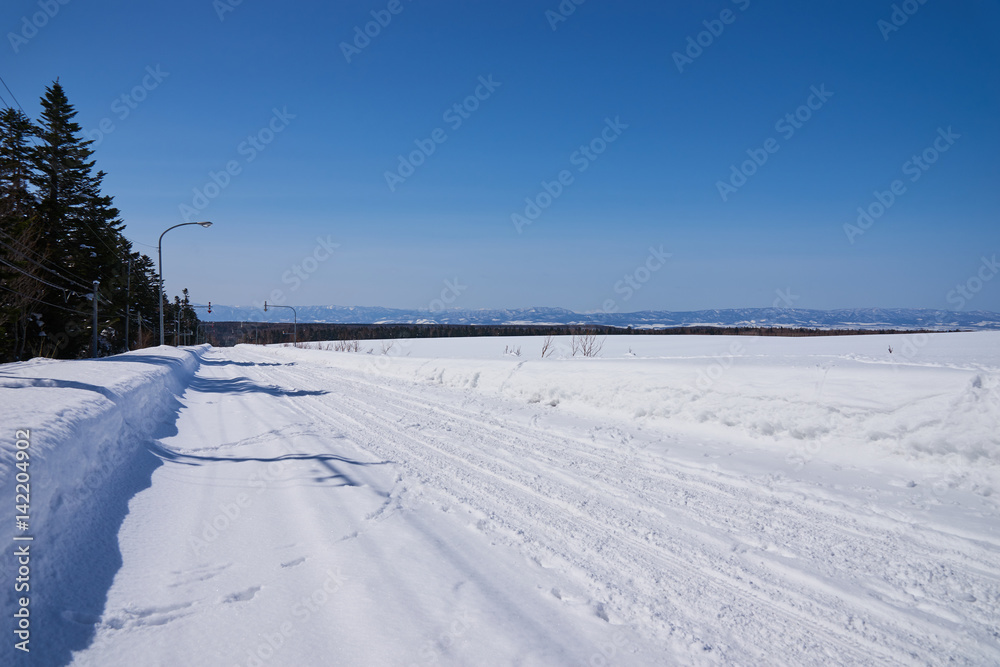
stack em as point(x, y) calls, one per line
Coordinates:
point(266, 90)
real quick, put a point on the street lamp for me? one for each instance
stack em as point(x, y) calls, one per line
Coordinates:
point(295, 322)
point(159, 251)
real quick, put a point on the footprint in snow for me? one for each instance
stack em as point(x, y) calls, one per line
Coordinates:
point(146, 616)
point(242, 596)
point(198, 574)
point(293, 563)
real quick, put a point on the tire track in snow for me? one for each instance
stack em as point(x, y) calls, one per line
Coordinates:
point(499, 484)
point(794, 609)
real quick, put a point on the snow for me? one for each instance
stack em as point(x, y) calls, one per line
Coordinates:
point(678, 499)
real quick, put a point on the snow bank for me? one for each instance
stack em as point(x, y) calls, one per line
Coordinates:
point(935, 399)
point(88, 421)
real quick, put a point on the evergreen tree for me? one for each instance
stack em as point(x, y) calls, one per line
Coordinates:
point(61, 175)
point(20, 287)
point(58, 233)
point(17, 203)
point(62, 170)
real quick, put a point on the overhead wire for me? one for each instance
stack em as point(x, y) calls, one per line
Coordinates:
point(11, 95)
point(78, 288)
point(34, 277)
point(80, 284)
point(51, 305)
point(26, 252)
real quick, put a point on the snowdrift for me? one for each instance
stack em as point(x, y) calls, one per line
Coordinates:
point(88, 424)
point(934, 400)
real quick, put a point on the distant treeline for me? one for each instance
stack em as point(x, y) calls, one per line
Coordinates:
point(225, 334)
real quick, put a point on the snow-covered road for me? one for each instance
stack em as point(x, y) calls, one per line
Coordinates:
point(309, 511)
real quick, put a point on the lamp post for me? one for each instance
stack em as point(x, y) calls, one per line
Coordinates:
point(159, 252)
point(295, 321)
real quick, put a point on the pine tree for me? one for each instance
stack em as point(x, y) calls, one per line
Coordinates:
point(62, 170)
point(78, 224)
point(20, 286)
point(58, 233)
point(17, 203)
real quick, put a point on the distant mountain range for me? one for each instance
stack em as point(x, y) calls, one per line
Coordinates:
point(848, 318)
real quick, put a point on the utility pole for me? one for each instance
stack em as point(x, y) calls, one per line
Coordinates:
point(128, 300)
point(93, 339)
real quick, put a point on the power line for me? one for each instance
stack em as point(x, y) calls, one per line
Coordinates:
point(117, 312)
point(44, 268)
point(85, 289)
point(51, 305)
point(100, 238)
point(19, 269)
point(11, 95)
point(26, 253)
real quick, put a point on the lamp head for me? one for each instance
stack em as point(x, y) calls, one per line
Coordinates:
point(205, 224)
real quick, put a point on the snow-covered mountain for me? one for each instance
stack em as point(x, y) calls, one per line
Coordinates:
point(848, 318)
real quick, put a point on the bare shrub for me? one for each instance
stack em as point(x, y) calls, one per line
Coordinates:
point(387, 347)
point(547, 348)
point(347, 346)
point(510, 349)
point(588, 344)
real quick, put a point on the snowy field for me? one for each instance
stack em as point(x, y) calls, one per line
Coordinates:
point(674, 500)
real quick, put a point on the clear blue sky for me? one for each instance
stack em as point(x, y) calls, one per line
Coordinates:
point(323, 175)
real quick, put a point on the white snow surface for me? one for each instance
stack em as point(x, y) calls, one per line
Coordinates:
point(676, 500)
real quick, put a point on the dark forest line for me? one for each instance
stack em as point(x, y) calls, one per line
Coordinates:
point(225, 334)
